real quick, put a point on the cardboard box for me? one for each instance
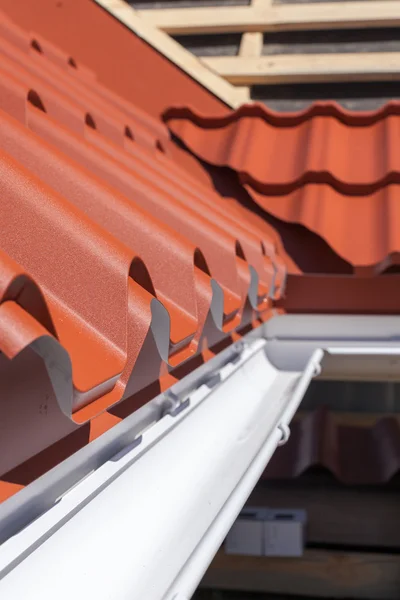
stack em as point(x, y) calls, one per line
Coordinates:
point(267, 532)
point(284, 532)
point(246, 536)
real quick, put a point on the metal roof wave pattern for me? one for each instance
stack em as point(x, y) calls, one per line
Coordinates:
point(326, 168)
point(327, 145)
point(116, 264)
point(353, 454)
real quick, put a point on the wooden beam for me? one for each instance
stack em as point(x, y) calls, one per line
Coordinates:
point(262, 4)
point(352, 418)
point(202, 20)
point(287, 17)
point(334, 15)
point(184, 59)
point(319, 573)
point(251, 45)
point(306, 68)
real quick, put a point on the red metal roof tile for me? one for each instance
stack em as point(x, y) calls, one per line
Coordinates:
point(116, 262)
point(123, 62)
point(355, 455)
point(328, 169)
point(326, 144)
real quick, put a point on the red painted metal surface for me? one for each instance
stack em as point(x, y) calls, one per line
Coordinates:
point(355, 455)
point(122, 61)
point(117, 264)
point(342, 294)
point(277, 152)
point(335, 172)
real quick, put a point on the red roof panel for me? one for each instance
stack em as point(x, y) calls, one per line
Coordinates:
point(327, 144)
point(353, 454)
point(124, 63)
point(117, 263)
point(325, 168)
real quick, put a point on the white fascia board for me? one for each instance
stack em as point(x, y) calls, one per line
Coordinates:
point(363, 348)
point(147, 522)
point(140, 512)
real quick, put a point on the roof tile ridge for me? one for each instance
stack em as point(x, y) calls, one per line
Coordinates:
point(259, 151)
point(329, 108)
point(321, 424)
point(311, 204)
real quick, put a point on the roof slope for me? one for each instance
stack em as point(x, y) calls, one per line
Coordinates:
point(117, 264)
point(325, 168)
point(121, 60)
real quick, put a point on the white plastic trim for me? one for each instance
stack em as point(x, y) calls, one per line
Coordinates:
point(133, 527)
point(140, 512)
point(357, 347)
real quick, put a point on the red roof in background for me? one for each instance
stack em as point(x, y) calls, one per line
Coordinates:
point(353, 454)
point(115, 259)
point(333, 171)
point(326, 180)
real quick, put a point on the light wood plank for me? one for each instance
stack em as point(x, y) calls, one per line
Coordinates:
point(203, 19)
point(317, 574)
point(306, 68)
point(176, 53)
point(261, 4)
point(322, 15)
point(335, 15)
point(251, 44)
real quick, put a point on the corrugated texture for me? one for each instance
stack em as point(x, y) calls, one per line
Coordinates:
point(327, 145)
point(328, 169)
point(116, 263)
point(355, 455)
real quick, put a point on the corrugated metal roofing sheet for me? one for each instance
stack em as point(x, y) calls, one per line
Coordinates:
point(328, 169)
point(116, 263)
point(353, 454)
point(122, 61)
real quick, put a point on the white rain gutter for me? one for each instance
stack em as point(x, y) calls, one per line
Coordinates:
point(156, 503)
